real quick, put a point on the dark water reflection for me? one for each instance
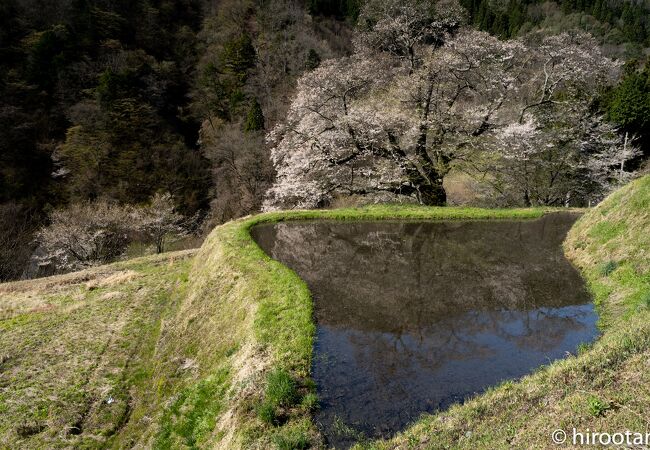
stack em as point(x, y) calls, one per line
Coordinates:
point(412, 317)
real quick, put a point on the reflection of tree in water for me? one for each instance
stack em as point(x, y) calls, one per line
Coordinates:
point(414, 315)
point(546, 329)
point(541, 331)
point(405, 276)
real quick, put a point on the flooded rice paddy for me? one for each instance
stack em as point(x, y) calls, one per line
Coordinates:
point(415, 316)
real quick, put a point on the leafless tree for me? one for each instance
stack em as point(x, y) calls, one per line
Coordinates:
point(85, 234)
point(18, 224)
point(242, 171)
point(93, 233)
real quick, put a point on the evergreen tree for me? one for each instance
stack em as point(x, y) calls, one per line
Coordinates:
point(313, 60)
point(239, 56)
point(254, 118)
point(337, 8)
point(629, 106)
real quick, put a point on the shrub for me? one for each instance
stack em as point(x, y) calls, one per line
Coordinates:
point(280, 392)
point(310, 401)
point(266, 413)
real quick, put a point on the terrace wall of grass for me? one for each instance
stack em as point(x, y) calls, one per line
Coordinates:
point(250, 317)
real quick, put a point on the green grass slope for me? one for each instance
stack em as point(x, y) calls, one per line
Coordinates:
point(184, 350)
point(212, 349)
point(78, 352)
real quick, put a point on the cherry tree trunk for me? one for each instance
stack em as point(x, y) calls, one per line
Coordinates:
point(432, 194)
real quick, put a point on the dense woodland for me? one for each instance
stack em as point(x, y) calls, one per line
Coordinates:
point(119, 119)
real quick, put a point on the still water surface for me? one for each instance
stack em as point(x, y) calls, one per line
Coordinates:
point(414, 316)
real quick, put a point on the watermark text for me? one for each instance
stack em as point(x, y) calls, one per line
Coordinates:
point(588, 437)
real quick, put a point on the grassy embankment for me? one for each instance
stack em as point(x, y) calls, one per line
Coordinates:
point(179, 350)
point(169, 353)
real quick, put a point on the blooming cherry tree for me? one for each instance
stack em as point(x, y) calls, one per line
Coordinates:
point(422, 95)
point(552, 161)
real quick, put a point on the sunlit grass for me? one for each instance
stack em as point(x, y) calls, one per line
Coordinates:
point(215, 351)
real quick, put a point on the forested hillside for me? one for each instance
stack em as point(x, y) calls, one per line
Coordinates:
point(94, 101)
point(621, 27)
point(94, 104)
point(252, 54)
point(105, 101)
point(131, 117)
point(614, 23)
